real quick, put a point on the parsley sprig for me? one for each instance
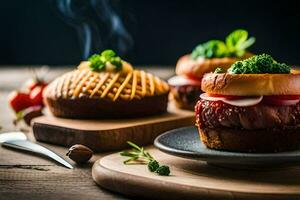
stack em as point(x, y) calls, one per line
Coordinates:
point(235, 45)
point(99, 61)
point(139, 155)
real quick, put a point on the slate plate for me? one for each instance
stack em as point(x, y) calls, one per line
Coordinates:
point(185, 142)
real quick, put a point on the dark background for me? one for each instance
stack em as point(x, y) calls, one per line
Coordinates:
point(158, 32)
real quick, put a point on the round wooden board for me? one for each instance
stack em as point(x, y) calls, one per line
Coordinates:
point(191, 179)
point(109, 134)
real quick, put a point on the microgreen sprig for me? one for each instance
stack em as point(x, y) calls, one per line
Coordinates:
point(235, 45)
point(139, 155)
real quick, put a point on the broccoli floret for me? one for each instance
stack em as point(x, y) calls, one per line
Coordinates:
point(98, 61)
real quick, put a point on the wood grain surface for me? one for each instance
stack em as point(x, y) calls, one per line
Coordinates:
point(24, 176)
point(195, 180)
point(107, 135)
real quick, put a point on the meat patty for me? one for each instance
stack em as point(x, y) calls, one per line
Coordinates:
point(215, 114)
point(186, 96)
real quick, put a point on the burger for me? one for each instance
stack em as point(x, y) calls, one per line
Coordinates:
point(206, 57)
point(106, 86)
point(254, 106)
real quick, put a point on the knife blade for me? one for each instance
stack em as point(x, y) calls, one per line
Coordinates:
point(18, 140)
point(35, 148)
point(12, 136)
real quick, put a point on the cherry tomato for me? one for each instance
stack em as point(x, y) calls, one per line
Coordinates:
point(33, 82)
point(36, 96)
point(19, 101)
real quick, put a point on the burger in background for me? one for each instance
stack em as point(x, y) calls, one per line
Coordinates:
point(254, 106)
point(206, 57)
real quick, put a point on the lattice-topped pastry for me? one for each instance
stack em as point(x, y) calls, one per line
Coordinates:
point(109, 92)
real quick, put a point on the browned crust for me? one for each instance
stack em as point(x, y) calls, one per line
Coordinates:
point(197, 68)
point(251, 84)
point(295, 71)
point(93, 108)
point(265, 140)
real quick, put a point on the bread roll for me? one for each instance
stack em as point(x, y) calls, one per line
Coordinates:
point(251, 84)
point(83, 93)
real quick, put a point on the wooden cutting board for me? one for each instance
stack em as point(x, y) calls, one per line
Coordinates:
point(191, 179)
point(107, 135)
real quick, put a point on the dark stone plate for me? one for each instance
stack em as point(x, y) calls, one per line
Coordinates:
point(185, 142)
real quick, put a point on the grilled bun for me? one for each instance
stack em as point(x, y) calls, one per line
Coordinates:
point(197, 68)
point(251, 84)
point(83, 93)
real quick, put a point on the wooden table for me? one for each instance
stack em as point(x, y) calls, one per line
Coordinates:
point(24, 176)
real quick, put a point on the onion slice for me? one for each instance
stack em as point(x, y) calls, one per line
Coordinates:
point(249, 101)
point(242, 102)
point(182, 80)
point(210, 98)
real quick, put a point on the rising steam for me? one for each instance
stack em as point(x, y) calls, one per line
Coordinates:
point(97, 24)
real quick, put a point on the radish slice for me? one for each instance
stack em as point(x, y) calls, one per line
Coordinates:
point(243, 102)
point(181, 80)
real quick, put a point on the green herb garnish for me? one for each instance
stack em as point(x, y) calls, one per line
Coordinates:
point(139, 155)
point(235, 45)
point(98, 62)
point(219, 70)
point(210, 49)
point(237, 42)
point(259, 64)
point(153, 165)
point(163, 170)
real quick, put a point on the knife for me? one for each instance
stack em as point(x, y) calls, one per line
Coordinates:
point(12, 136)
point(18, 140)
